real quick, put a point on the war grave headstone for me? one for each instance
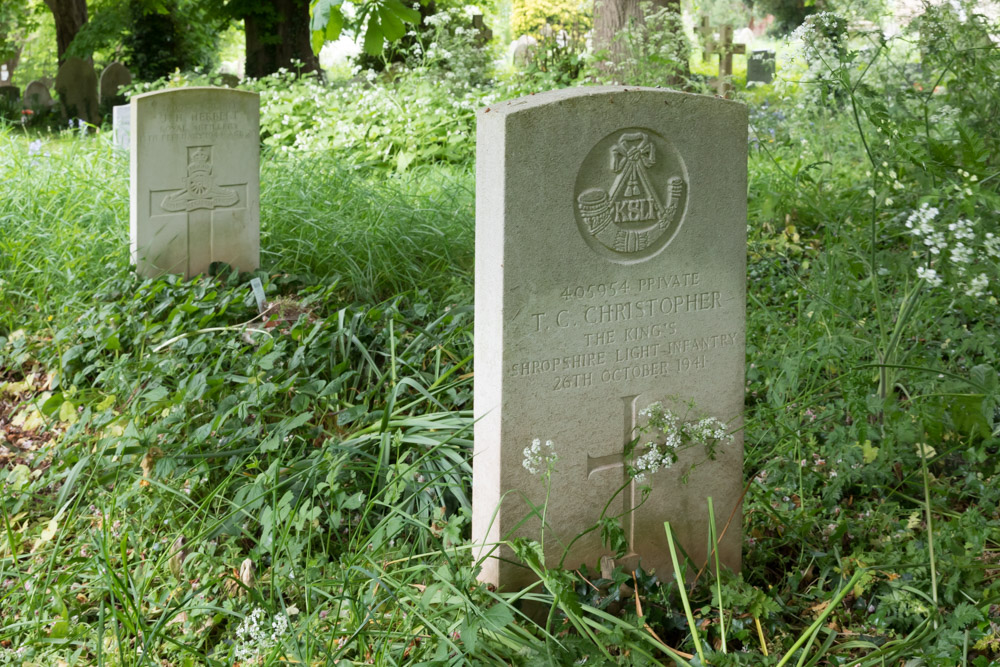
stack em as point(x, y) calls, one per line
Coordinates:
point(610, 274)
point(114, 77)
point(195, 180)
point(121, 125)
point(76, 86)
point(37, 96)
point(760, 67)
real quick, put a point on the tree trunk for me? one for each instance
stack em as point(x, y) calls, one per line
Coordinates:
point(70, 15)
point(611, 17)
point(276, 34)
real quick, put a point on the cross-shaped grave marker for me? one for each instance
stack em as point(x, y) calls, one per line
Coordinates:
point(725, 48)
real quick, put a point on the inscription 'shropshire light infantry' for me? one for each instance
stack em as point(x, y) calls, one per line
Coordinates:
point(634, 218)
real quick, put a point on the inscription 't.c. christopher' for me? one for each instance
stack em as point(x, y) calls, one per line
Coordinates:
point(631, 195)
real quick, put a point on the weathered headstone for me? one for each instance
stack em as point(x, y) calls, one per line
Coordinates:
point(725, 48)
point(37, 96)
point(195, 180)
point(760, 67)
point(610, 274)
point(4, 75)
point(523, 49)
point(121, 125)
point(229, 80)
point(76, 86)
point(114, 77)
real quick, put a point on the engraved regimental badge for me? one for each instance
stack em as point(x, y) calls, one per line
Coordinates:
point(631, 195)
point(200, 190)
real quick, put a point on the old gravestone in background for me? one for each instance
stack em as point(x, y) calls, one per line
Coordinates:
point(610, 273)
point(76, 86)
point(195, 180)
point(114, 77)
point(37, 96)
point(760, 67)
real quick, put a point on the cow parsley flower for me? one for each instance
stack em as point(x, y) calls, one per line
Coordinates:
point(254, 637)
point(929, 275)
point(537, 459)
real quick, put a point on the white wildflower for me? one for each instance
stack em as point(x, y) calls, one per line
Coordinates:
point(978, 286)
point(536, 459)
point(929, 275)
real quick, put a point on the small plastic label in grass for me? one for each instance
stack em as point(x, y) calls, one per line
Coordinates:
point(258, 293)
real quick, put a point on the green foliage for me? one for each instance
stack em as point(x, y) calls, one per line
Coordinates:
point(383, 21)
point(196, 482)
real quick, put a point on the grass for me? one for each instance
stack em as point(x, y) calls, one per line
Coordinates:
point(172, 461)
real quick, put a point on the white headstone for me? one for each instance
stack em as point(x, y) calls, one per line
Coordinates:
point(195, 180)
point(610, 274)
point(121, 123)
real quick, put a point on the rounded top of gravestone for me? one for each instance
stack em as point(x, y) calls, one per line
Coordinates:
point(76, 85)
point(37, 96)
point(114, 77)
point(195, 91)
point(611, 94)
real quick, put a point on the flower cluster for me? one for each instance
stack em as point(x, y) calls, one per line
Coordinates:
point(952, 249)
point(253, 637)
point(676, 434)
point(536, 459)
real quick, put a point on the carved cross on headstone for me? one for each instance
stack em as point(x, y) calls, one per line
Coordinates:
point(598, 464)
point(199, 199)
point(725, 48)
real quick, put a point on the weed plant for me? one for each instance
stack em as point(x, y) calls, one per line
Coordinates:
point(187, 480)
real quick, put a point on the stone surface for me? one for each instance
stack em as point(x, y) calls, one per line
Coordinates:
point(229, 80)
point(114, 77)
point(76, 86)
point(195, 180)
point(37, 96)
point(121, 124)
point(760, 67)
point(610, 273)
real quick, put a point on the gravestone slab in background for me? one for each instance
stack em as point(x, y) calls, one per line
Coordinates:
point(37, 96)
point(195, 180)
point(76, 86)
point(760, 67)
point(121, 125)
point(229, 80)
point(114, 77)
point(610, 273)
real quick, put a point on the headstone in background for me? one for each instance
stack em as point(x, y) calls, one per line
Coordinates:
point(114, 77)
point(760, 67)
point(483, 34)
point(523, 50)
point(610, 274)
point(229, 80)
point(37, 97)
point(725, 48)
point(195, 180)
point(4, 75)
point(121, 125)
point(76, 86)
